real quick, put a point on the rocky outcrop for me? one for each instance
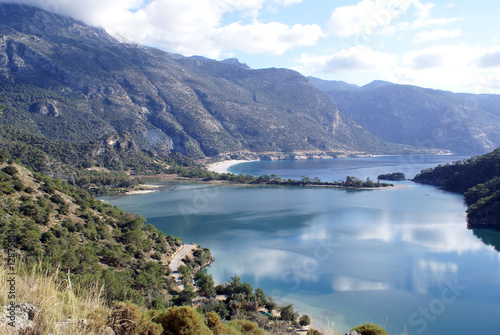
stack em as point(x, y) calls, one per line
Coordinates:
point(18, 318)
point(45, 108)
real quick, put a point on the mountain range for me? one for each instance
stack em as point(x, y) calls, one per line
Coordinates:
point(459, 122)
point(64, 80)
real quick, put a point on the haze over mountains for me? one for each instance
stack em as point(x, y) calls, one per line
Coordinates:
point(64, 80)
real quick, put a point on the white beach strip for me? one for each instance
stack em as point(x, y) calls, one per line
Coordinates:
point(221, 167)
point(143, 189)
point(140, 192)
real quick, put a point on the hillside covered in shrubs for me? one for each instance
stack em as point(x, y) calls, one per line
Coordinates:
point(110, 269)
point(478, 178)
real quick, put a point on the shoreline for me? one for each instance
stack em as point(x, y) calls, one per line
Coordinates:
point(175, 177)
point(143, 189)
point(223, 166)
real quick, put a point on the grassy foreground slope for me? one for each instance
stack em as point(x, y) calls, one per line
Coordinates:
point(61, 226)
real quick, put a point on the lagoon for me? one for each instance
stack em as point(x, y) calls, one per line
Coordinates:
point(402, 257)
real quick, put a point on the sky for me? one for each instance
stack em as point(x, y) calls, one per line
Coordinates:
point(448, 45)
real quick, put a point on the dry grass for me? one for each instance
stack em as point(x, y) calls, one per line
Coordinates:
point(61, 307)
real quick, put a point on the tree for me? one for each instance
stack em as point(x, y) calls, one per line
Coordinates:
point(275, 178)
point(288, 314)
point(270, 305)
point(4, 156)
point(205, 284)
point(184, 272)
point(305, 320)
point(186, 297)
point(234, 285)
point(306, 180)
point(259, 294)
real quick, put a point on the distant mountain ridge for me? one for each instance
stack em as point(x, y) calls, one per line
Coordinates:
point(404, 114)
point(67, 81)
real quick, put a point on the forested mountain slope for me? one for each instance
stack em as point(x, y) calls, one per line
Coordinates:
point(478, 179)
point(64, 227)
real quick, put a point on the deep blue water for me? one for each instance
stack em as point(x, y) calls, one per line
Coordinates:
point(402, 258)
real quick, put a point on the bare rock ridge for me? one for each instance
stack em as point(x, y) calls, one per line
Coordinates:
point(60, 76)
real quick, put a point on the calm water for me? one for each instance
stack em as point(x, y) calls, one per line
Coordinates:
point(402, 258)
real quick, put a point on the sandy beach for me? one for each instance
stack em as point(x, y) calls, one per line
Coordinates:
point(221, 167)
point(143, 189)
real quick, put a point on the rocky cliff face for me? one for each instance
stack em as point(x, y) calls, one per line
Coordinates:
point(462, 123)
point(73, 82)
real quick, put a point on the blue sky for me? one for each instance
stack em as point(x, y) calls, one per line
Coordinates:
point(450, 45)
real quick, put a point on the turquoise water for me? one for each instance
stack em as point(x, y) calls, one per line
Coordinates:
point(402, 258)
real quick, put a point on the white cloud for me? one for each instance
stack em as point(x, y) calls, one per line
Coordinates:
point(271, 38)
point(448, 66)
point(360, 58)
point(190, 27)
point(436, 34)
point(287, 2)
point(459, 67)
point(424, 18)
point(381, 17)
point(194, 27)
point(366, 16)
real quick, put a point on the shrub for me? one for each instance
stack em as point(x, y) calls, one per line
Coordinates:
point(33, 211)
point(10, 170)
point(69, 225)
point(313, 332)
point(246, 327)
point(213, 322)
point(4, 176)
point(18, 185)
point(56, 198)
point(126, 318)
point(370, 329)
point(158, 303)
point(6, 188)
point(182, 321)
point(47, 187)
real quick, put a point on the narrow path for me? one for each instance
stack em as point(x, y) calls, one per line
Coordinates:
point(174, 264)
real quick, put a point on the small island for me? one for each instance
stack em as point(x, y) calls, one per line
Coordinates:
point(395, 176)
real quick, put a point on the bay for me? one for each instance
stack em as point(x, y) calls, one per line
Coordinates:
point(402, 258)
